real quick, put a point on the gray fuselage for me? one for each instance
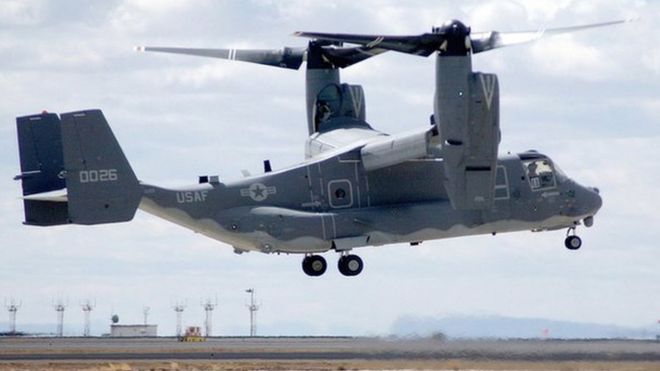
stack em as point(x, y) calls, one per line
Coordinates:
point(331, 202)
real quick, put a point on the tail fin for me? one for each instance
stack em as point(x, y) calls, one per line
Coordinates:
point(42, 165)
point(79, 152)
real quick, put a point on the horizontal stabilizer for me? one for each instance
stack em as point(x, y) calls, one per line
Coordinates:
point(54, 196)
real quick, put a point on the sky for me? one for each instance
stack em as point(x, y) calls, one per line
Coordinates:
point(589, 100)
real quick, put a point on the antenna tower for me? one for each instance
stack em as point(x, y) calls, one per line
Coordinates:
point(12, 307)
point(60, 307)
point(145, 313)
point(87, 308)
point(209, 306)
point(253, 308)
point(178, 308)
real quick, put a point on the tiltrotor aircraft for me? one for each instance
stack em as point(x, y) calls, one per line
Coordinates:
point(356, 187)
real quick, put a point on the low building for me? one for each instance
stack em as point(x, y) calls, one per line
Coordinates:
point(133, 330)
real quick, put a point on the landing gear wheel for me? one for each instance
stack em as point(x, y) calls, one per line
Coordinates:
point(350, 265)
point(314, 265)
point(573, 242)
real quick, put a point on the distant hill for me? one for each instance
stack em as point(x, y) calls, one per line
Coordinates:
point(509, 327)
point(451, 326)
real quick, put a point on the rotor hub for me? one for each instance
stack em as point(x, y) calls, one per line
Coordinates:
point(456, 38)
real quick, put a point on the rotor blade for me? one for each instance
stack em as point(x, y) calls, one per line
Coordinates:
point(484, 41)
point(423, 44)
point(344, 57)
point(286, 58)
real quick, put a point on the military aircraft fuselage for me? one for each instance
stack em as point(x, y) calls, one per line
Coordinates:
point(333, 203)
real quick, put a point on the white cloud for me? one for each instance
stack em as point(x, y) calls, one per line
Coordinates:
point(21, 12)
point(297, 10)
point(564, 56)
point(139, 15)
point(545, 10)
point(204, 75)
point(651, 60)
point(498, 15)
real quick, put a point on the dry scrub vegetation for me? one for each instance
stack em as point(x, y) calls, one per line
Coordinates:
point(449, 365)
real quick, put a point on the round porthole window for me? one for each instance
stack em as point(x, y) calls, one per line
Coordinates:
point(340, 193)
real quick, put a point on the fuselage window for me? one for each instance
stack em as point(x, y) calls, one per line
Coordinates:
point(501, 184)
point(540, 174)
point(340, 193)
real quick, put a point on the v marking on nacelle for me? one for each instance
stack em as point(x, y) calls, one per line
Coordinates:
point(488, 86)
point(356, 97)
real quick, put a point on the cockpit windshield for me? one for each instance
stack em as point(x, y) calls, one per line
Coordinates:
point(559, 173)
point(540, 174)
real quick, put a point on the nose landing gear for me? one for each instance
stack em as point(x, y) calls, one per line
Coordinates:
point(572, 241)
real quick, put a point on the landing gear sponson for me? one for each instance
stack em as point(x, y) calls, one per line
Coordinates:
point(348, 265)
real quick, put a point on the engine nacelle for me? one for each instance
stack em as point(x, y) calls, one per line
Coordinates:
point(467, 116)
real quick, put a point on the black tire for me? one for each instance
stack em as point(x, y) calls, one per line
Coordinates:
point(305, 266)
point(314, 265)
point(341, 265)
point(350, 265)
point(573, 242)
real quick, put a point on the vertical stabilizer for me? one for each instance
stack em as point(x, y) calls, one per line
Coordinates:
point(101, 186)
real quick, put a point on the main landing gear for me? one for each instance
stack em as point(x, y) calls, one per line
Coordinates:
point(572, 241)
point(348, 265)
point(314, 265)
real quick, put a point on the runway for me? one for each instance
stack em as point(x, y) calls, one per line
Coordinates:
point(322, 349)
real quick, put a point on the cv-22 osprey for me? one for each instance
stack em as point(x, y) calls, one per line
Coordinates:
point(356, 187)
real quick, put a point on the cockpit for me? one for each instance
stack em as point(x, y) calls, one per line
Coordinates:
point(540, 171)
point(560, 195)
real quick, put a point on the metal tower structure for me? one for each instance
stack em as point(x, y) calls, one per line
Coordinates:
point(179, 308)
point(12, 307)
point(87, 308)
point(145, 313)
point(209, 306)
point(60, 307)
point(253, 308)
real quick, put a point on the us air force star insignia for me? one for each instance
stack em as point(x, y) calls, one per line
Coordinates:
point(258, 192)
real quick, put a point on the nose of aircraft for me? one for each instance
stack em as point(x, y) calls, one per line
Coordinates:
point(593, 200)
point(587, 201)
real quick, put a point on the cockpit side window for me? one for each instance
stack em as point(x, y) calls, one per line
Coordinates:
point(540, 174)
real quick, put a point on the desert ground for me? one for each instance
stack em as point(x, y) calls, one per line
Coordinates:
point(325, 353)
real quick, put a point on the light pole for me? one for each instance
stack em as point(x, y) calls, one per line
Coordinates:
point(253, 308)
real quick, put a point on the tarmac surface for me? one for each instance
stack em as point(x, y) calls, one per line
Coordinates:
point(325, 348)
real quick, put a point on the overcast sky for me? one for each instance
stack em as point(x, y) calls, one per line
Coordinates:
point(590, 101)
